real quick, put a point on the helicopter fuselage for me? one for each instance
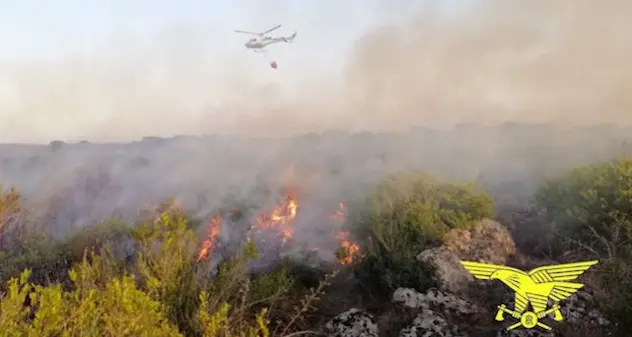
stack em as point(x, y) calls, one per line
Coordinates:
point(259, 43)
point(262, 42)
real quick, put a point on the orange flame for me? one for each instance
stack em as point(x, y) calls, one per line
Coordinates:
point(211, 241)
point(280, 218)
point(350, 251)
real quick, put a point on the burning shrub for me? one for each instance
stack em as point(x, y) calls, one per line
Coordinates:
point(405, 215)
point(272, 231)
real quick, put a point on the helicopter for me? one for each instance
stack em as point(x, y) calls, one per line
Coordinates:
point(259, 43)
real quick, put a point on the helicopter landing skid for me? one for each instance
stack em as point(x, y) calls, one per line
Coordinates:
point(260, 51)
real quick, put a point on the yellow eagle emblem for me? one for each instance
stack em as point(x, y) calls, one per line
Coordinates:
point(535, 287)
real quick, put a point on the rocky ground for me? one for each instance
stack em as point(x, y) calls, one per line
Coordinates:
point(462, 306)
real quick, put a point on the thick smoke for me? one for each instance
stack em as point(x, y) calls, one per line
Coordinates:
point(563, 62)
point(530, 61)
point(536, 61)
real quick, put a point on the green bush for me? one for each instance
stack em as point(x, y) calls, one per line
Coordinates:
point(407, 214)
point(590, 210)
point(118, 308)
point(166, 267)
point(591, 207)
point(614, 296)
point(49, 260)
point(84, 286)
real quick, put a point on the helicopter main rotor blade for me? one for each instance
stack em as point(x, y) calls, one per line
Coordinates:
point(271, 29)
point(245, 32)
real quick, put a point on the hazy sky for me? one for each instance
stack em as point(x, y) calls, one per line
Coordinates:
point(36, 29)
point(72, 44)
point(120, 70)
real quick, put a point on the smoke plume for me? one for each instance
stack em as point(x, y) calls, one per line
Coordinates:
point(562, 62)
point(538, 61)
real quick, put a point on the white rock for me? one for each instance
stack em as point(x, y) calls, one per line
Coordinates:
point(433, 299)
point(352, 323)
point(410, 298)
point(431, 324)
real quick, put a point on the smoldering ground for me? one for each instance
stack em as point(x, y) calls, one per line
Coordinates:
point(537, 61)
